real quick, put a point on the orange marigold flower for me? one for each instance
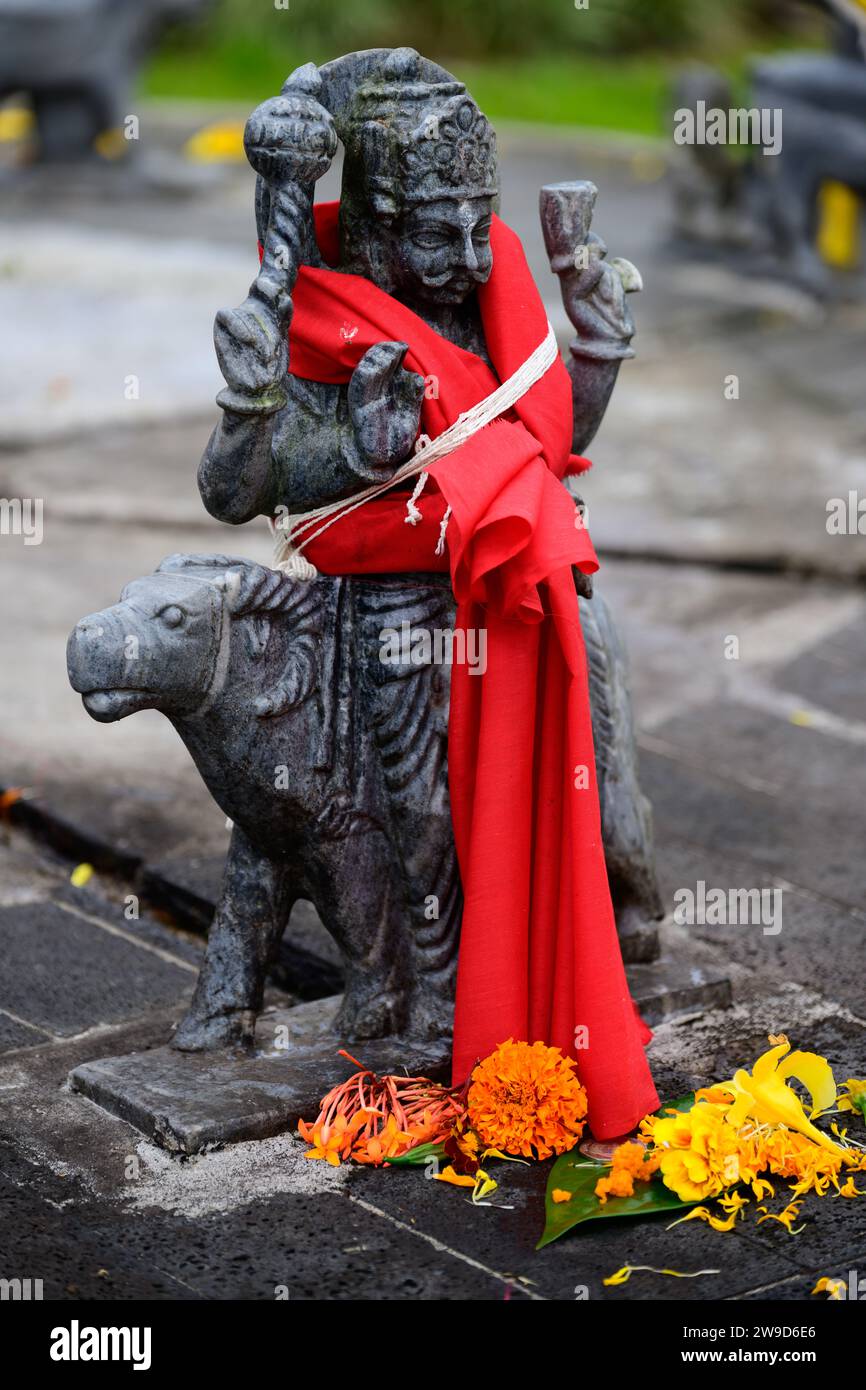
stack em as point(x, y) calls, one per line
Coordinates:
point(559, 1194)
point(629, 1162)
point(788, 1154)
point(618, 1183)
point(526, 1099)
point(635, 1159)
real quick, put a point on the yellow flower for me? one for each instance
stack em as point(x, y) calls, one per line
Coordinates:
point(733, 1202)
point(763, 1188)
point(480, 1182)
point(785, 1218)
point(853, 1097)
point(699, 1155)
point(849, 1189)
point(764, 1095)
point(218, 143)
point(834, 1288)
point(448, 1174)
point(704, 1214)
point(484, 1185)
point(621, 1276)
point(526, 1099)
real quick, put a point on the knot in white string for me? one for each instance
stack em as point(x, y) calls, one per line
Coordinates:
point(443, 527)
point(413, 511)
point(290, 543)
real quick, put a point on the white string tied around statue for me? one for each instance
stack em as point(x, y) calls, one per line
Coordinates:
point(288, 549)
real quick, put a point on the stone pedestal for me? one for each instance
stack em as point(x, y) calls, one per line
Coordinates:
point(677, 984)
point(188, 1102)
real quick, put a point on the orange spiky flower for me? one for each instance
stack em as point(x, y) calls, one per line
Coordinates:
point(370, 1118)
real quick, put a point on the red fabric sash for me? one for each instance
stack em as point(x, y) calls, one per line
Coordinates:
point(539, 954)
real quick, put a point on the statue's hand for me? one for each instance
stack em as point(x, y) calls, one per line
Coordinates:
point(385, 405)
point(593, 289)
point(252, 346)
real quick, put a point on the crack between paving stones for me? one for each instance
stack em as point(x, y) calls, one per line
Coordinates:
point(789, 885)
point(113, 930)
point(512, 1283)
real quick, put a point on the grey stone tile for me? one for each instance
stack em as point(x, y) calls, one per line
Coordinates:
point(15, 1034)
point(821, 944)
point(816, 844)
point(831, 673)
point(65, 974)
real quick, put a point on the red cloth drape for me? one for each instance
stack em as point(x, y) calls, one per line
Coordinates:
point(539, 954)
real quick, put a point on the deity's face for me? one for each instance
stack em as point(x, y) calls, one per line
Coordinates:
point(440, 251)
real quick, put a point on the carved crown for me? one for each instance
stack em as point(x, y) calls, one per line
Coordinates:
point(417, 141)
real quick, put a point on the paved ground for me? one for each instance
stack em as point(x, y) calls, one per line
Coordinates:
point(711, 513)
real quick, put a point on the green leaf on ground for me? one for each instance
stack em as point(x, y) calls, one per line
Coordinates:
point(419, 1156)
point(573, 1172)
point(859, 1104)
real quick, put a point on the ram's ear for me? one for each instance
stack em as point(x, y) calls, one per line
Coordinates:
point(257, 631)
point(296, 684)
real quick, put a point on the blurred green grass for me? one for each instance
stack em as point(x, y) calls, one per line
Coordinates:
point(629, 95)
point(609, 66)
point(626, 95)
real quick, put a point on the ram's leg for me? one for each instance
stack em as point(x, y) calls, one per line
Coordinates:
point(361, 899)
point(626, 816)
point(257, 897)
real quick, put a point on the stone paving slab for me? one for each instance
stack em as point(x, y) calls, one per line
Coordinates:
point(148, 1218)
point(65, 974)
point(188, 1102)
point(787, 759)
point(15, 1033)
point(831, 673)
point(145, 307)
point(680, 983)
point(820, 944)
point(113, 909)
point(819, 847)
point(307, 1247)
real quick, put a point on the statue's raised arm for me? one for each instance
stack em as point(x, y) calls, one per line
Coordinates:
point(284, 443)
point(594, 295)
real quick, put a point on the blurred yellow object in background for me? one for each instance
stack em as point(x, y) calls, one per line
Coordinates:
point(81, 874)
point(15, 123)
point(839, 213)
point(110, 143)
point(220, 143)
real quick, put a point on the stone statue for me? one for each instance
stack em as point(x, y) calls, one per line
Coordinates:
point(330, 760)
point(764, 208)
